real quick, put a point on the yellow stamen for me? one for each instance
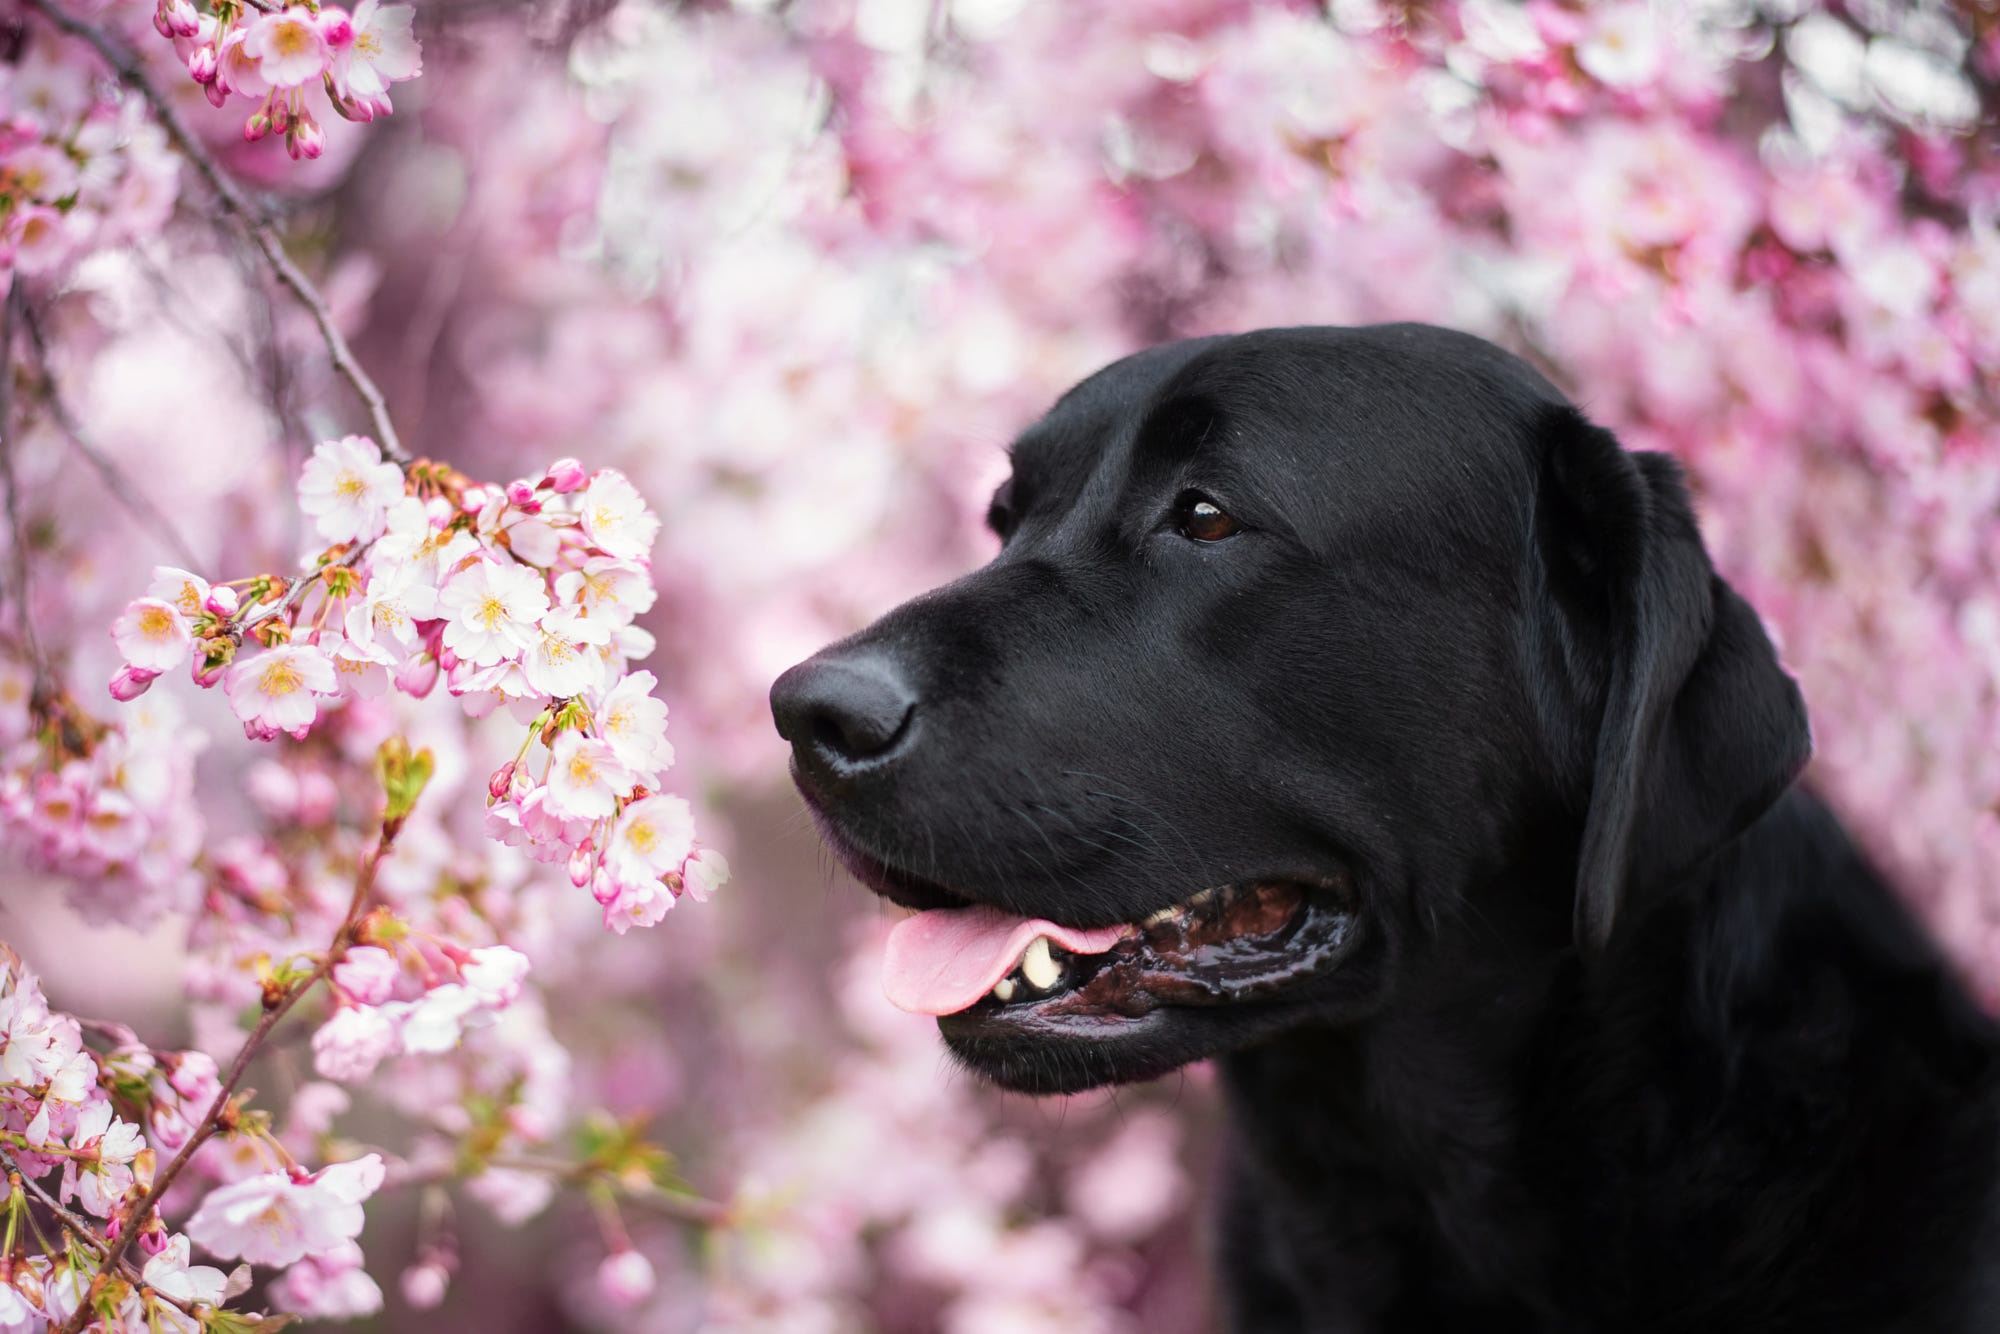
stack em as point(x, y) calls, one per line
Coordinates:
point(279, 678)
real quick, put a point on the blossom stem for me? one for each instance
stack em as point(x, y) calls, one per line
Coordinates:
point(364, 884)
point(115, 481)
point(237, 206)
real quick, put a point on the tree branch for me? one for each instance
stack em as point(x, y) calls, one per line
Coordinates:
point(44, 688)
point(84, 1231)
point(234, 204)
point(135, 1218)
point(115, 481)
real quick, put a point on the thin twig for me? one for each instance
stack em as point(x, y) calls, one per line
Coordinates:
point(135, 1218)
point(115, 481)
point(44, 689)
point(235, 205)
point(84, 1231)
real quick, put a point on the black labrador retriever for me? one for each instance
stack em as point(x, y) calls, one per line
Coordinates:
point(1344, 705)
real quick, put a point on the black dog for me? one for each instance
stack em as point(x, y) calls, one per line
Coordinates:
point(1342, 703)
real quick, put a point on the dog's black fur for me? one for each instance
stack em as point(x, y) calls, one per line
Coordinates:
point(1626, 1035)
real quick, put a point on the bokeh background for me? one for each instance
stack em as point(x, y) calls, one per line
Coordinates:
point(802, 269)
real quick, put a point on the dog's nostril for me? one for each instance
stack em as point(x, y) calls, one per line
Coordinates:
point(843, 709)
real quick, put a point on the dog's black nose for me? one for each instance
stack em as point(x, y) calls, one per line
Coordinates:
point(843, 710)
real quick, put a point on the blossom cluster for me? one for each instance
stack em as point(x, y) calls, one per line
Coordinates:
point(80, 166)
point(95, 1128)
point(522, 596)
point(271, 56)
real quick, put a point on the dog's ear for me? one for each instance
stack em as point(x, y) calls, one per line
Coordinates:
point(1701, 730)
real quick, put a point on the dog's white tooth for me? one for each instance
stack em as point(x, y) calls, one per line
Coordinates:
point(1038, 966)
point(1003, 990)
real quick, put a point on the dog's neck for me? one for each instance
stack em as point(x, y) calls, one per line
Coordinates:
point(1410, 1122)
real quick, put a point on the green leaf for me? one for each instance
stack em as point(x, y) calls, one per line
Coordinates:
point(403, 776)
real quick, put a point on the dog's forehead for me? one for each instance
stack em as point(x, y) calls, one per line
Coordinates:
point(1392, 416)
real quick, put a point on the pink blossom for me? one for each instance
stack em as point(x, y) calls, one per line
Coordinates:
point(278, 690)
point(367, 974)
point(634, 724)
point(353, 1042)
point(616, 519)
point(514, 1196)
point(152, 636)
point(704, 873)
point(346, 487)
point(331, 1285)
point(586, 778)
point(289, 50)
point(278, 1219)
point(494, 974)
point(378, 50)
point(491, 611)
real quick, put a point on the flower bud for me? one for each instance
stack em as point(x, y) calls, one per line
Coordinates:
point(625, 1278)
point(501, 781)
point(307, 140)
point(564, 476)
point(222, 601)
point(579, 864)
point(424, 1284)
point(202, 64)
point(256, 127)
point(281, 115)
point(130, 683)
point(522, 496)
point(336, 27)
point(418, 676)
point(215, 92)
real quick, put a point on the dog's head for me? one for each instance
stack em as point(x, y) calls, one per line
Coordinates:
point(1305, 649)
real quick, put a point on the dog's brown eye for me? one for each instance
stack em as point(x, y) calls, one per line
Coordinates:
point(1201, 519)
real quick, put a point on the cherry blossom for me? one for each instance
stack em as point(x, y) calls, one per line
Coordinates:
point(277, 691)
point(276, 1218)
point(346, 487)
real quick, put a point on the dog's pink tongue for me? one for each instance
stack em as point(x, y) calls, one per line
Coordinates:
point(941, 961)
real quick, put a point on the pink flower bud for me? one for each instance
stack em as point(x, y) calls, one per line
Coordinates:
point(418, 676)
point(195, 1076)
point(222, 601)
point(256, 127)
point(565, 476)
point(131, 682)
point(153, 1239)
point(522, 497)
point(447, 659)
point(259, 730)
point(281, 115)
point(205, 676)
point(336, 27)
point(307, 140)
point(202, 64)
point(625, 1278)
point(215, 92)
point(579, 864)
point(424, 1284)
point(502, 779)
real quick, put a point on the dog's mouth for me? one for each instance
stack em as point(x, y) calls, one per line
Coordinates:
point(984, 971)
